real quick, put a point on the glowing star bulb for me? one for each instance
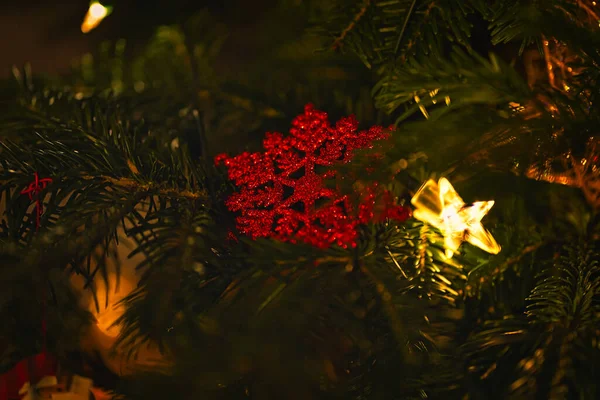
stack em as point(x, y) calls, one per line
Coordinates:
point(439, 205)
point(95, 14)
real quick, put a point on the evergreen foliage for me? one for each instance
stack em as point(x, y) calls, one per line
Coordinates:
point(129, 143)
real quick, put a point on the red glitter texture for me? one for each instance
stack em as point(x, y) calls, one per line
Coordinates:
point(279, 188)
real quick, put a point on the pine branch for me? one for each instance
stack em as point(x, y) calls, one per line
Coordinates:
point(427, 27)
point(447, 85)
point(413, 254)
point(548, 351)
point(77, 135)
point(527, 22)
point(177, 249)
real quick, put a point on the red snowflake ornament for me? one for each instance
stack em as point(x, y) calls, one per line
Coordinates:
point(279, 188)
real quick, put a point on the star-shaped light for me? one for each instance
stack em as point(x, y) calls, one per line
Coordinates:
point(439, 205)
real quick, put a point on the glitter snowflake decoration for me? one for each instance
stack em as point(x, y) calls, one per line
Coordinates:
point(282, 193)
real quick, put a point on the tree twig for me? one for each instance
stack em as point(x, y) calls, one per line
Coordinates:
point(518, 257)
point(337, 44)
point(133, 184)
point(403, 30)
point(588, 10)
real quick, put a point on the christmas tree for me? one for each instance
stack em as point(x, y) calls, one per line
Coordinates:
point(374, 199)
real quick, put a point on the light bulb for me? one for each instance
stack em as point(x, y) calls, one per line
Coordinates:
point(95, 14)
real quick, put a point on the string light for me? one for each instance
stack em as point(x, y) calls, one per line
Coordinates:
point(95, 14)
point(438, 204)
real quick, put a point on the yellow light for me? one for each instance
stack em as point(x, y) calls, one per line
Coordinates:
point(95, 14)
point(438, 204)
point(97, 10)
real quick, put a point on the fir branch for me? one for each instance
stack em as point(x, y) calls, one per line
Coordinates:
point(414, 252)
point(178, 249)
point(444, 85)
point(538, 355)
point(527, 22)
point(380, 38)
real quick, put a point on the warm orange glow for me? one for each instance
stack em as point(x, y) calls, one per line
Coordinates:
point(118, 284)
point(121, 280)
point(108, 315)
point(96, 13)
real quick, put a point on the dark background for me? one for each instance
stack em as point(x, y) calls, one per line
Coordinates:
point(47, 33)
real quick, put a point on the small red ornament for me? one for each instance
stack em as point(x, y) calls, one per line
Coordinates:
point(41, 365)
point(32, 191)
point(279, 188)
